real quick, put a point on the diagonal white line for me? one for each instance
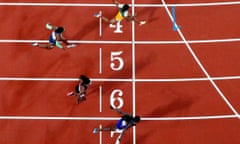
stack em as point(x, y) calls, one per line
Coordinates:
point(199, 63)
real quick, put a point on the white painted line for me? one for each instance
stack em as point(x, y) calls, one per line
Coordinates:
point(56, 4)
point(133, 62)
point(190, 4)
point(100, 98)
point(100, 135)
point(100, 60)
point(190, 41)
point(100, 24)
point(128, 42)
point(190, 118)
point(199, 63)
point(122, 80)
point(112, 5)
point(133, 71)
point(117, 118)
point(71, 41)
point(55, 118)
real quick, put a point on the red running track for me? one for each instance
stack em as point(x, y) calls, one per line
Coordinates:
point(159, 99)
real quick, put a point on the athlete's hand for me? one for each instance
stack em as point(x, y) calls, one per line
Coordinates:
point(115, 2)
point(111, 107)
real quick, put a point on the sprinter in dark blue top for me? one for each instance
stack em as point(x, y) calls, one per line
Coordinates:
point(124, 123)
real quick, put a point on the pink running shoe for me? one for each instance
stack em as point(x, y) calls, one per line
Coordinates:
point(70, 93)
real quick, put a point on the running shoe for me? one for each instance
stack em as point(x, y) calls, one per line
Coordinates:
point(70, 93)
point(97, 15)
point(35, 44)
point(95, 130)
point(142, 23)
point(71, 45)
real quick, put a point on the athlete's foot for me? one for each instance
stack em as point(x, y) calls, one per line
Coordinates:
point(142, 23)
point(112, 25)
point(95, 130)
point(97, 15)
point(49, 26)
point(70, 93)
point(83, 98)
point(71, 45)
point(35, 44)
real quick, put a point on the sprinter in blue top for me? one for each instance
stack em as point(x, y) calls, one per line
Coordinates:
point(55, 39)
point(124, 123)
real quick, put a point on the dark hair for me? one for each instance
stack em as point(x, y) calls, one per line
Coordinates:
point(59, 30)
point(136, 119)
point(127, 118)
point(125, 7)
point(85, 80)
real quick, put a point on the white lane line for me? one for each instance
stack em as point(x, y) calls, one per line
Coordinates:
point(199, 63)
point(100, 98)
point(190, 118)
point(55, 118)
point(100, 134)
point(112, 5)
point(117, 118)
point(71, 41)
point(56, 4)
point(133, 71)
point(100, 61)
point(121, 80)
point(100, 24)
point(190, 4)
point(128, 42)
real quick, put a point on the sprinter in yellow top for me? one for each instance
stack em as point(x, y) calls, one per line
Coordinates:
point(122, 14)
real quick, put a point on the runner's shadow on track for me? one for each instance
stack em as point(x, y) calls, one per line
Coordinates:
point(175, 106)
point(145, 61)
point(86, 29)
point(93, 88)
point(178, 103)
point(142, 138)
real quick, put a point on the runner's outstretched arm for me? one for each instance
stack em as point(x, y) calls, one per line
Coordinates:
point(116, 2)
point(119, 111)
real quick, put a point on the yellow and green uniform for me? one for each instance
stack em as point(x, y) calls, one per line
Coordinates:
point(121, 14)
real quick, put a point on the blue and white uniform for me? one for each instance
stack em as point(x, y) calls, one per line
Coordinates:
point(121, 124)
point(53, 38)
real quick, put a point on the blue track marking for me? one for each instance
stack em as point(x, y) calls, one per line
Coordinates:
point(174, 23)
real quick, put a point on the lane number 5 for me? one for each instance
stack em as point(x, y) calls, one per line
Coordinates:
point(115, 57)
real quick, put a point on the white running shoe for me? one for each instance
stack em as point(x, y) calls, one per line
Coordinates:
point(71, 45)
point(142, 23)
point(97, 15)
point(95, 130)
point(35, 44)
point(112, 25)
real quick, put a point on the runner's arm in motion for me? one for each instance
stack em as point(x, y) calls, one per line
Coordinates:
point(80, 96)
point(119, 111)
point(116, 2)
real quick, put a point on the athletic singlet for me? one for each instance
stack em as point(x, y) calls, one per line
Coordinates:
point(52, 38)
point(121, 124)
